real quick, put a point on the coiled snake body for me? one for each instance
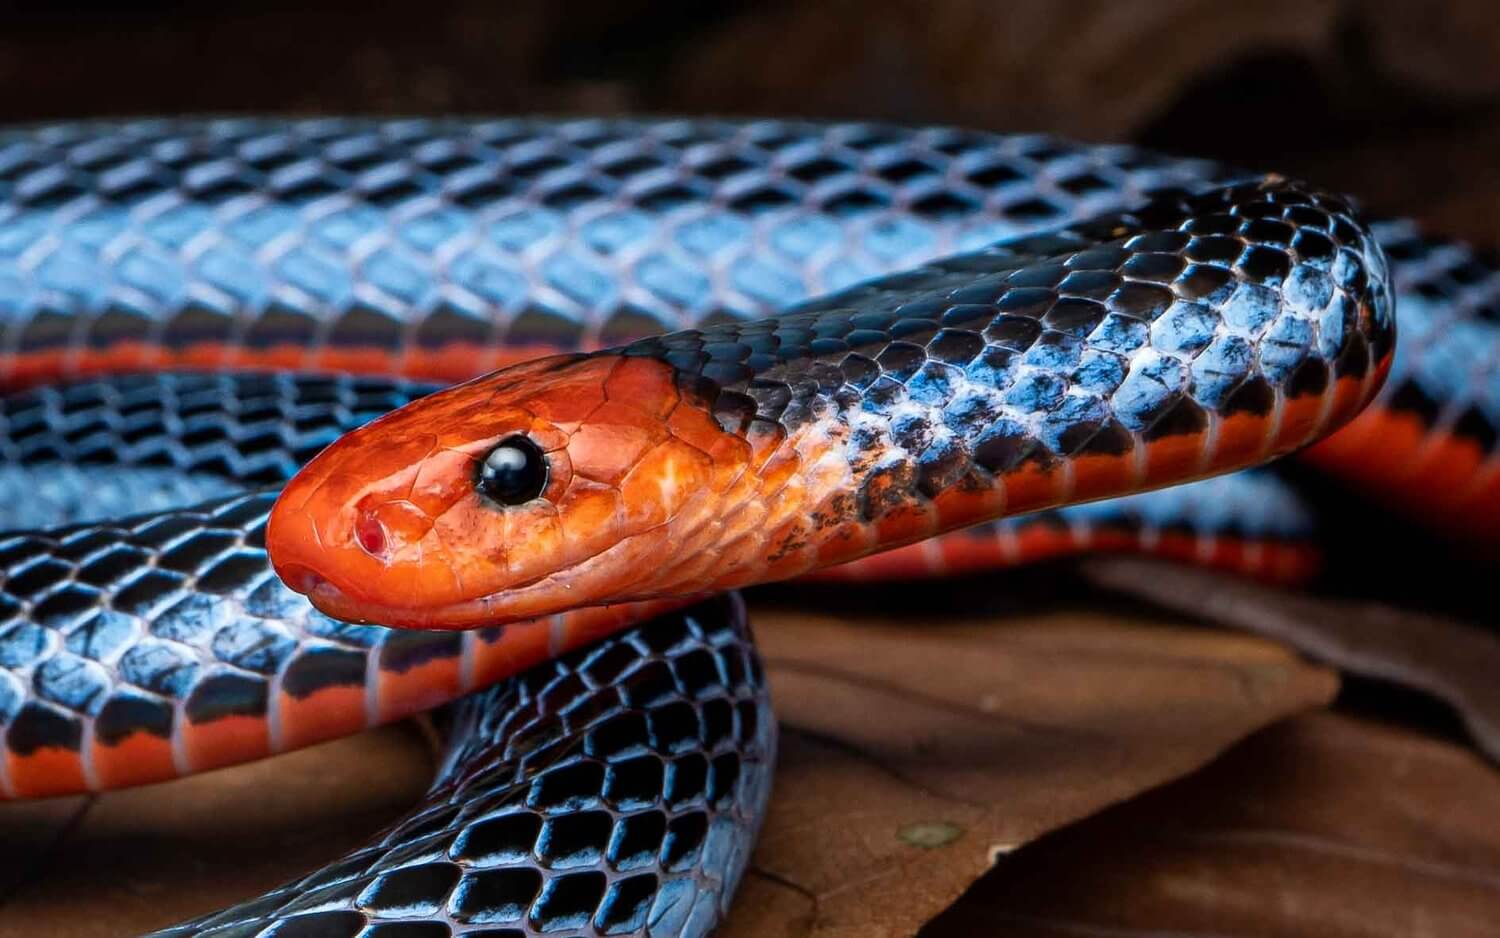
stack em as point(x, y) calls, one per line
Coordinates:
point(192, 310)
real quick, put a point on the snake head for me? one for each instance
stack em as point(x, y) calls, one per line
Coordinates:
point(535, 489)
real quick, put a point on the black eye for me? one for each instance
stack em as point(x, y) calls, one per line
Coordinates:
point(515, 471)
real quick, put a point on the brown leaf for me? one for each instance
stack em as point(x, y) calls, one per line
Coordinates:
point(1455, 662)
point(1095, 69)
point(1324, 825)
point(130, 861)
point(911, 752)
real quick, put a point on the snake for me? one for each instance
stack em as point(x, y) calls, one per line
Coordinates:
point(315, 424)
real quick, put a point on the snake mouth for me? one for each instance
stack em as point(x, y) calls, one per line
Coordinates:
point(301, 578)
point(324, 595)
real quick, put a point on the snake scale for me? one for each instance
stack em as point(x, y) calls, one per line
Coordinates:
point(730, 352)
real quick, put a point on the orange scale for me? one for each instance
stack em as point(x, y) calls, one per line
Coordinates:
point(1348, 397)
point(892, 564)
point(787, 504)
point(764, 440)
point(641, 551)
point(695, 426)
point(779, 471)
point(1175, 546)
point(732, 458)
point(793, 565)
point(323, 714)
point(1100, 476)
point(370, 360)
point(459, 361)
point(1376, 450)
point(1243, 439)
point(1444, 467)
point(850, 539)
point(912, 521)
point(400, 693)
point(1173, 458)
point(958, 554)
point(1229, 553)
point(1038, 542)
point(611, 442)
point(688, 574)
point(1116, 540)
point(225, 741)
point(1031, 487)
point(740, 560)
point(138, 759)
point(643, 383)
point(519, 646)
point(586, 626)
point(1299, 418)
point(50, 770)
point(959, 506)
point(662, 481)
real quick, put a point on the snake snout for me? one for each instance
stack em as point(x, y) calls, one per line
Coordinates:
point(300, 577)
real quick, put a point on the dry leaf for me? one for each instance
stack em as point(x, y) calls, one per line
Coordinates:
point(1095, 69)
point(1324, 826)
point(1455, 662)
point(130, 861)
point(911, 753)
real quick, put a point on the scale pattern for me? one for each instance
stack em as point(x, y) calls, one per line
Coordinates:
point(254, 428)
point(614, 791)
point(143, 444)
point(555, 235)
point(410, 235)
point(1198, 334)
point(505, 232)
point(367, 245)
point(1447, 368)
point(1073, 333)
point(42, 495)
point(136, 650)
point(1251, 523)
point(150, 625)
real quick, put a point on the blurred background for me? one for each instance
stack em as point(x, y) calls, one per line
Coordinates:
point(1392, 100)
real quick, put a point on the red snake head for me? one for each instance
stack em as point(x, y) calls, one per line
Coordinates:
point(539, 488)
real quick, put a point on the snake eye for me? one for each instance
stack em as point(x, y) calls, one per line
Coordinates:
point(515, 471)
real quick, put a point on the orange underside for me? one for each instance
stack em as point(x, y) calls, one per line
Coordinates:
point(48, 771)
point(143, 758)
point(325, 714)
point(225, 741)
point(966, 553)
point(450, 363)
point(1444, 481)
point(138, 759)
point(1384, 452)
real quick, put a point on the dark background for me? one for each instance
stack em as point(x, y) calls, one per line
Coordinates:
point(1392, 100)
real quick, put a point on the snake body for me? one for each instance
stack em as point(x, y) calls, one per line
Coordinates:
point(1227, 321)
